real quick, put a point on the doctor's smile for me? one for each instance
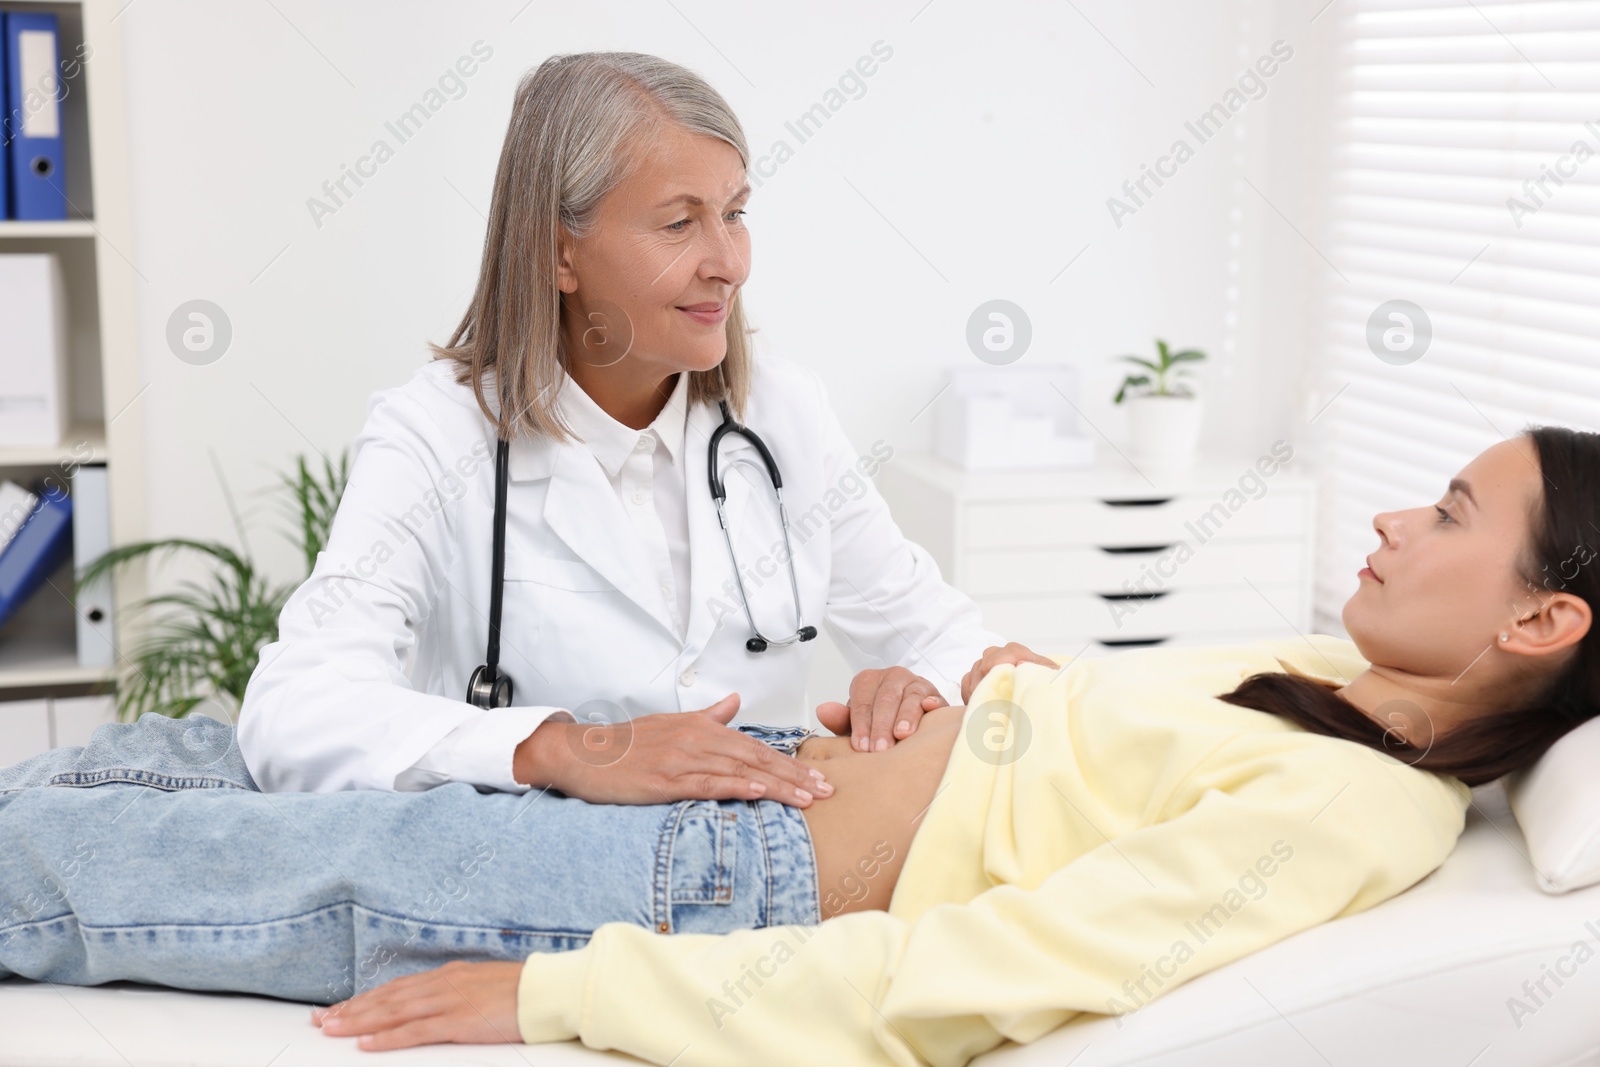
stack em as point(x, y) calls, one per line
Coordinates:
point(620, 699)
point(708, 313)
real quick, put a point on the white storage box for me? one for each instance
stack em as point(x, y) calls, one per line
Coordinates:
point(1012, 418)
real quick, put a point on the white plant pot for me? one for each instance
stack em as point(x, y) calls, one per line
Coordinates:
point(1165, 431)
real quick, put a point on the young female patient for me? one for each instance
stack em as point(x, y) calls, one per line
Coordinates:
point(1084, 836)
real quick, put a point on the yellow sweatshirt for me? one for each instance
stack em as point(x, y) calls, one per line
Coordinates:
point(1103, 832)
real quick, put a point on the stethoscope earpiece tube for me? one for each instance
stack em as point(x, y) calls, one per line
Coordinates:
point(488, 688)
point(759, 642)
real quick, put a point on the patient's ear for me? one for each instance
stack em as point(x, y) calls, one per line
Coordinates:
point(1560, 622)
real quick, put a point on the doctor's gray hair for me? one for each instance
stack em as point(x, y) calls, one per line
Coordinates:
point(577, 122)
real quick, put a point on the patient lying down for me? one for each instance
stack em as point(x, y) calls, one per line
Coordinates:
point(1082, 837)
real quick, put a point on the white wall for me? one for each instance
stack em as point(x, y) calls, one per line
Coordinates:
point(983, 150)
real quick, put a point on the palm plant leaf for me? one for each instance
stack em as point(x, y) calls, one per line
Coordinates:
point(204, 638)
point(129, 552)
point(203, 645)
point(314, 501)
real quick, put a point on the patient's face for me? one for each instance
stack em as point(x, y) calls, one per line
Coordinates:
point(1447, 578)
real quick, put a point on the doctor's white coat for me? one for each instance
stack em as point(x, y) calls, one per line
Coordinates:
point(375, 648)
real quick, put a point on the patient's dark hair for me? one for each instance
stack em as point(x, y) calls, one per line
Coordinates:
point(1485, 748)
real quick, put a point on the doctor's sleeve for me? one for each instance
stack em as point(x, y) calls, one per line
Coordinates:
point(888, 604)
point(330, 705)
point(1253, 861)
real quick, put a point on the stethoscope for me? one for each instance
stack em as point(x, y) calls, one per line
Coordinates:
point(490, 687)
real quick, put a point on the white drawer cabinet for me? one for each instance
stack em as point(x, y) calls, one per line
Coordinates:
point(1149, 519)
point(29, 727)
point(24, 730)
point(1104, 557)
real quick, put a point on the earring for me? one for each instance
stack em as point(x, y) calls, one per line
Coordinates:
point(1505, 636)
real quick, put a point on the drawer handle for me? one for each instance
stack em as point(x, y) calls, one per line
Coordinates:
point(1129, 550)
point(1134, 596)
point(1148, 502)
point(1131, 642)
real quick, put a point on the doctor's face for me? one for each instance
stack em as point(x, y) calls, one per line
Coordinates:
point(649, 288)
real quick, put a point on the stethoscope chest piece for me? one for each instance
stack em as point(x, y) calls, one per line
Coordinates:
point(487, 694)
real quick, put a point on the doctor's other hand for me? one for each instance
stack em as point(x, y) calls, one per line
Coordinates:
point(664, 758)
point(994, 656)
point(885, 706)
point(459, 1003)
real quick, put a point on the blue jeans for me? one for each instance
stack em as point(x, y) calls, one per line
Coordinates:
point(149, 855)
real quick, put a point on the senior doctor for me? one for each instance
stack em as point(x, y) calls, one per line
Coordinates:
point(606, 331)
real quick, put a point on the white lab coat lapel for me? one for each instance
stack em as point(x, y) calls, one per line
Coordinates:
point(583, 509)
point(709, 566)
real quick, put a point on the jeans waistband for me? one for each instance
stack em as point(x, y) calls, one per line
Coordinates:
point(785, 739)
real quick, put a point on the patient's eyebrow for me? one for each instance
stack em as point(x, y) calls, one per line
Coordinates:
point(1459, 486)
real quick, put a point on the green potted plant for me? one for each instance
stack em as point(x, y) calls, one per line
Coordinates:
point(198, 653)
point(1163, 410)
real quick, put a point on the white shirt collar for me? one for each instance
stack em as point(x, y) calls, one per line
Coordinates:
point(611, 441)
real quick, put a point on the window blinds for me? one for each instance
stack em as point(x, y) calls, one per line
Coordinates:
point(1464, 179)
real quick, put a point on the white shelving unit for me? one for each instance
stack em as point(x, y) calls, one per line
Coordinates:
point(39, 668)
point(1087, 561)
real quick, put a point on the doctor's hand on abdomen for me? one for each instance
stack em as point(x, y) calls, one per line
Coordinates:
point(886, 705)
point(664, 758)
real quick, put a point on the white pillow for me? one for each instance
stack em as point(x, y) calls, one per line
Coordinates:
point(1557, 804)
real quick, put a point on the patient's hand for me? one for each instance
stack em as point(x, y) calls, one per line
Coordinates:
point(459, 1003)
point(994, 656)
